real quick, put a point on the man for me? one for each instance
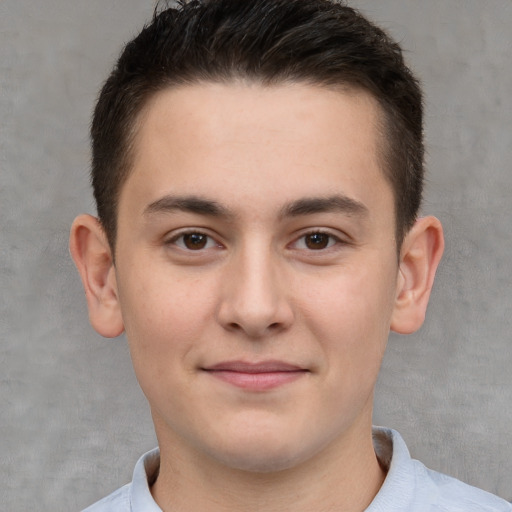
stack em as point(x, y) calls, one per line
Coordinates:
point(258, 169)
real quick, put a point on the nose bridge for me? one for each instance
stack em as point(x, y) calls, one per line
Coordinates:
point(254, 298)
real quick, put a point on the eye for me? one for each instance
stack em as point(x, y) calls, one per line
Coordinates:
point(194, 241)
point(316, 241)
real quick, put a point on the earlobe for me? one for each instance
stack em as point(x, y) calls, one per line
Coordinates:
point(419, 258)
point(92, 255)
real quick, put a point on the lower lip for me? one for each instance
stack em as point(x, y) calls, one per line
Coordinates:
point(257, 381)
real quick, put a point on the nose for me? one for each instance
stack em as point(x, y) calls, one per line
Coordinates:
point(255, 298)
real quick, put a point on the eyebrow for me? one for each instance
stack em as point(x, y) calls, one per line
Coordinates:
point(191, 204)
point(335, 203)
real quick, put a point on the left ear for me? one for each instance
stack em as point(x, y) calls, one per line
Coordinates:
point(93, 257)
point(420, 254)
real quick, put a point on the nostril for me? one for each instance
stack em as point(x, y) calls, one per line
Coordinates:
point(233, 326)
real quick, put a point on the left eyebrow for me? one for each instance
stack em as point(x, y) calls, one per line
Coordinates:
point(190, 204)
point(336, 203)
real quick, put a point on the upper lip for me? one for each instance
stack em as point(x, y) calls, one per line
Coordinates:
point(259, 367)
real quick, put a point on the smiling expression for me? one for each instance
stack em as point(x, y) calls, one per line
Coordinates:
point(256, 269)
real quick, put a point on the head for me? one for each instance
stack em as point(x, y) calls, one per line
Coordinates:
point(256, 167)
point(269, 42)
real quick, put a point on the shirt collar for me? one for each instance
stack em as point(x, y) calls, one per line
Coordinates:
point(144, 475)
point(397, 491)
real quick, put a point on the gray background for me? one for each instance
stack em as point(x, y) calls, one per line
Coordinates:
point(72, 418)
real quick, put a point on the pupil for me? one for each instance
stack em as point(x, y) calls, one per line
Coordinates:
point(317, 241)
point(195, 240)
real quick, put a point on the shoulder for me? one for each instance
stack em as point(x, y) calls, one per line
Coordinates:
point(411, 487)
point(118, 501)
point(136, 495)
point(453, 495)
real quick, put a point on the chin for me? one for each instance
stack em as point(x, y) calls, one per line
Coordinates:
point(259, 454)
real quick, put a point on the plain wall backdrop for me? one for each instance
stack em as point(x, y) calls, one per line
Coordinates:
point(72, 419)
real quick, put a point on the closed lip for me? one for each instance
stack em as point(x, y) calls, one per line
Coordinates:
point(255, 368)
point(256, 376)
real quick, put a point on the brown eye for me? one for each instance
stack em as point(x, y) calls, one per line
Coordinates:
point(195, 241)
point(317, 241)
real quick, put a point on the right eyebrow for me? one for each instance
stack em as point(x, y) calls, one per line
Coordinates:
point(335, 203)
point(191, 204)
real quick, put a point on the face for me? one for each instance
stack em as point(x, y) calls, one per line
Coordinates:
point(256, 269)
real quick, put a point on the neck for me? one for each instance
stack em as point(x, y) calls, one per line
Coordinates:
point(344, 477)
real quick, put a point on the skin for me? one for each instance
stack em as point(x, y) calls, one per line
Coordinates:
point(257, 228)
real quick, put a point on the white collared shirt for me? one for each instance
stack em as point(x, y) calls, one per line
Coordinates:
point(409, 486)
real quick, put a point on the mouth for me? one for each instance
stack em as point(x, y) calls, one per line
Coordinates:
point(259, 376)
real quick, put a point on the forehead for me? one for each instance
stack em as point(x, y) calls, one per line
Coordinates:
point(208, 105)
point(202, 137)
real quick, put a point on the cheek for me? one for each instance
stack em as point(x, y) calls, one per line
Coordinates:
point(164, 314)
point(165, 324)
point(351, 312)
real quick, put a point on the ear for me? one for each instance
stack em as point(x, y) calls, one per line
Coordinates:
point(420, 254)
point(92, 255)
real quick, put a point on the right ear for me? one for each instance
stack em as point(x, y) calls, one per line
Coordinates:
point(92, 255)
